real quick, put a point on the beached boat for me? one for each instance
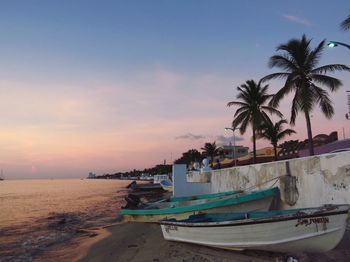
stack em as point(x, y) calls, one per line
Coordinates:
point(247, 201)
point(295, 230)
point(167, 185)
point(144, 187)
point(204, 196)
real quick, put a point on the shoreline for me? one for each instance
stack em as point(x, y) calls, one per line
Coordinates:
point(44, 238)
point(99, 234)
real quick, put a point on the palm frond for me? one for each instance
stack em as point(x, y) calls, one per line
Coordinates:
point(282, 61)
point(295, 108)
point(272, 110)
point(345, 25)
point(240, 118)
point(330, 68)
point(243, 126)
point(285, 90)
point(284, 133)
point(236, 103)
point(241, 109)
point(315, 55)
point(274, 76)
point(324, 101)
point(331, 83)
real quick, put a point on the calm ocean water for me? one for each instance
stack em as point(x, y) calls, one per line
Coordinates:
point(36, 214)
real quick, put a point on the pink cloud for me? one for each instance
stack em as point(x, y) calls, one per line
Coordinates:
point(297, 19)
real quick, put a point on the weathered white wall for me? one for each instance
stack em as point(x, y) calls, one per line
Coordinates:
point(184, 188)
point(322, 179)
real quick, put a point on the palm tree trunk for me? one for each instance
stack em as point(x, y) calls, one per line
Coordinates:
point(275, 151)
point(309, 134)
point(254, 146)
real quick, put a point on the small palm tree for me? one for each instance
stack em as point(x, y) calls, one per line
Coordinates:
point(345, 25)
point(299, 61)
point(210, 150)
point(274, 132)
point(252, 109)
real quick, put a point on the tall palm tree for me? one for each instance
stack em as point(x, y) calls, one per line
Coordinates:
point(298, 62)
point(210, 150)
point(252, 109)
point(345, 25)
point(274, 132)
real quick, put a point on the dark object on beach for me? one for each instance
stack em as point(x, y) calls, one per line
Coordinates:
point(132, 201)
point(133, 183)
point(146, 187)
point(62, 221)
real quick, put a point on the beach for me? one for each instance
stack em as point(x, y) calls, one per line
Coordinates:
point(140, 242)
point(93, 231)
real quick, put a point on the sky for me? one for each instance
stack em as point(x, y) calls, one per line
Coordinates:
point(106, 86)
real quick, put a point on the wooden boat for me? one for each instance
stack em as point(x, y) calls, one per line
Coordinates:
point(295, 230)
point(167, 185)
point(248, 201)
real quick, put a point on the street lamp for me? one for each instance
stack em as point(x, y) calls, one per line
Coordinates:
point(234, 142)
point(332, 44)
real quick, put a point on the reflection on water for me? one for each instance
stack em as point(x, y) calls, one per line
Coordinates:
point(25, 200)
point(36, 214)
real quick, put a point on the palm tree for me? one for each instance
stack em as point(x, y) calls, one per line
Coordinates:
point(345, 25)
point(210, 150)
point(303, 78)
point(274, 132)
point(252, 109)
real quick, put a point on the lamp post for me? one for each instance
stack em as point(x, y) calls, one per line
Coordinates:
point(234, 142)
point(332, 44)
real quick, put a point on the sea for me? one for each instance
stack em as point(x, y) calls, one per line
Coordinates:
point(37, 215)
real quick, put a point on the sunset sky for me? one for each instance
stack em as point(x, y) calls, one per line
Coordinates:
point(107, 86)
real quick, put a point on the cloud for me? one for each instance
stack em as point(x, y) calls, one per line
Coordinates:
point(223, 140)
point(190, 136)
point(297, 19)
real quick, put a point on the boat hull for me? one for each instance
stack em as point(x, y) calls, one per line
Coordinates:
point(316, 233)
point(167, 185)
point(254, 205)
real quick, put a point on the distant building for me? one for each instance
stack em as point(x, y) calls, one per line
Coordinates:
point(91, 175)
point(230, 151)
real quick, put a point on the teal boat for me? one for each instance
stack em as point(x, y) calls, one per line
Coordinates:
point(204, 196)
point(240, 202)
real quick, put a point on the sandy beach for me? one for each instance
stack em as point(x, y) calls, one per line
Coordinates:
point(99, 235)
point(139, 242)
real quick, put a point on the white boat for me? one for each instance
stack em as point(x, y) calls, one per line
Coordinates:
point(158, 178)
point(167, 185)
point(295, 230)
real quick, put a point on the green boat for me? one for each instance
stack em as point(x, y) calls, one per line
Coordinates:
point(240, 202)
point(204, 196)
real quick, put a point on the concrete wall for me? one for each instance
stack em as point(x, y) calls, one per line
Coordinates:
point(307, 182)
point(184, 188)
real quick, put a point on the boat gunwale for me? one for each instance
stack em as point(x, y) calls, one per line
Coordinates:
point(221, 202)
point(205, 196)
point(263, 220)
